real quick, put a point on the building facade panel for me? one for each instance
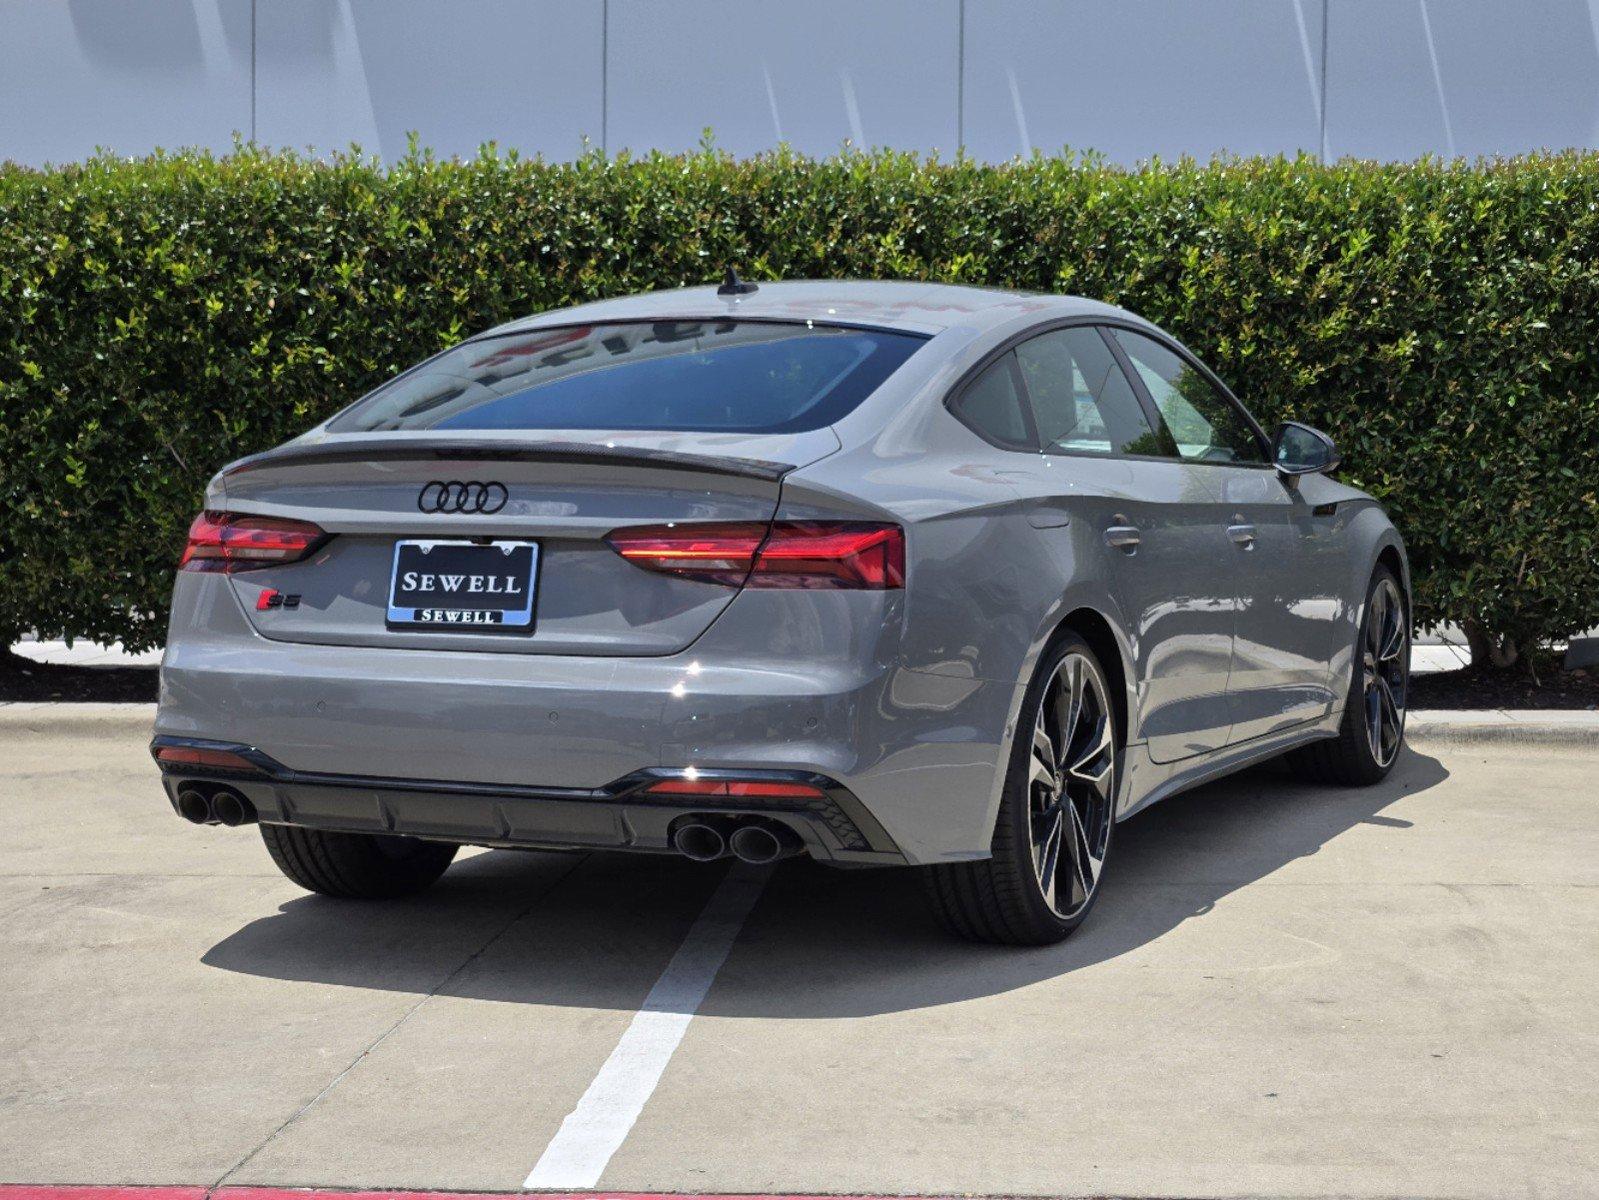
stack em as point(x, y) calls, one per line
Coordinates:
point(1464, 77)
point(80, 74)
point(522, 73)
point(1129, 80)
point(1387, 79)
point(813, 75)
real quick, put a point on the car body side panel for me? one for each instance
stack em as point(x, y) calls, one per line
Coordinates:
point(1367, 534)
point(1290, 580)
point(986, 590)
point(1176, 592)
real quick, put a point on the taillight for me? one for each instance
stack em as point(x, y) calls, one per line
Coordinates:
point(230, 542)
point(716, 553)
point(786, 554)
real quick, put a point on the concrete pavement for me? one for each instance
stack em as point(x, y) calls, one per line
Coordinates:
point(1285, 991)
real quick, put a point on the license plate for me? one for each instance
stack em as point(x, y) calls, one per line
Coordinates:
point(463, 585)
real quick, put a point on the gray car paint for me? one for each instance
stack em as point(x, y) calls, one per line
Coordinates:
point(907, 698)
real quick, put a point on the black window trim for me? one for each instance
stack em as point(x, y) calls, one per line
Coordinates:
point(1135, 381)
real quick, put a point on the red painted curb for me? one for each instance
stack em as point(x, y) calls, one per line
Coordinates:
point(91, 1192)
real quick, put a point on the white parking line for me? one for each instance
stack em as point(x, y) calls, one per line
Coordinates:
point(594, 1130)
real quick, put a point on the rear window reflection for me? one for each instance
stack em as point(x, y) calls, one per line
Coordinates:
point(732, 376)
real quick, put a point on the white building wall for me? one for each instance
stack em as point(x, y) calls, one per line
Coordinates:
point(1129, 78)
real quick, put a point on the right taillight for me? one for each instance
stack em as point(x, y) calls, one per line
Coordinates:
point(230, 542)
point(785, 554)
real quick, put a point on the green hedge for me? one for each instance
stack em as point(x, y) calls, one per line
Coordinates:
point(159, 317)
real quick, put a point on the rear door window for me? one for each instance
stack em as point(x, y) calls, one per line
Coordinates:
point(1081, 399)
point(713, 376)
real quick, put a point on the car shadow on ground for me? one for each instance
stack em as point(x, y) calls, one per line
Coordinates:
point(594, 931)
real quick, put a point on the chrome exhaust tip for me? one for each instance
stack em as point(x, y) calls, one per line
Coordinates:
point(702, 843)
point(760, 844)
point(194, 806)
point(231, 809)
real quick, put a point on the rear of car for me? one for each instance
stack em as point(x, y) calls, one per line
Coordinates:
point(543, 590)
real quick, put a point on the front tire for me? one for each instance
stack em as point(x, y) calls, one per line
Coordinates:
point(356, 866)
point(1056, 815)
point(1373, 728)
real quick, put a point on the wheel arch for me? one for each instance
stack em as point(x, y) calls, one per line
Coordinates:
point(1095, 628)
point(1393, 558)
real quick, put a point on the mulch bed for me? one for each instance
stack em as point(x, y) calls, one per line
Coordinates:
point(1472, 688)
point(23, 679)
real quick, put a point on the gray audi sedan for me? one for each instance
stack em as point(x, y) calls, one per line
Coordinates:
point(879, 573)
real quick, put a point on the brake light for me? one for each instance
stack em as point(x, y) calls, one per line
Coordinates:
point(229, 542)
point(786, 554)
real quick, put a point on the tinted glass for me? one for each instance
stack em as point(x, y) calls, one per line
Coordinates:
point(737, 376)
point(1082, 402)
point(1204, 423)
point(992, 405)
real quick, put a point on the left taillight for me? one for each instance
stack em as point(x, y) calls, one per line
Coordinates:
point(229, 542)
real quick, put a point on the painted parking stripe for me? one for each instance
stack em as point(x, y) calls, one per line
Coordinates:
point(594, 1130)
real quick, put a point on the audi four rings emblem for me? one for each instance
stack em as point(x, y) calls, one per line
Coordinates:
point(453, 496)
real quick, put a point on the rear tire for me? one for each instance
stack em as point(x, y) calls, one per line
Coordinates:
point(1056, 815)
point(1373, 728)
point(356, 866)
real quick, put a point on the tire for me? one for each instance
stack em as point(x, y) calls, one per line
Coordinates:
point(1378, 685)
point(1007, 898)
point(356, 866)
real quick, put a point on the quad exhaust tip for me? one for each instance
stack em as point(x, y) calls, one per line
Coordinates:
point(221, 806)
point(753, 841)
point(194, 806)
point(701, 842)
point(757, 844)
point(231, 809)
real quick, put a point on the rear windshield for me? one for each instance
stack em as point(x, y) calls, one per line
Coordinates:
point(736, 376)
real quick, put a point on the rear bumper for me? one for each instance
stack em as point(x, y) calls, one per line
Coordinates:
point(528, 749)
point(623, 815)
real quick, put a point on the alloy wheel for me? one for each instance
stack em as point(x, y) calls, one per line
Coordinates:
point(1385, 663)
point(1071, 785)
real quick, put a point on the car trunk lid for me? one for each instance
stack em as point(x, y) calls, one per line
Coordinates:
point(562, 492)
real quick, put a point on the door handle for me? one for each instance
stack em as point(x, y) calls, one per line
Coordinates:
point(1123, 537)
point(1244, 535)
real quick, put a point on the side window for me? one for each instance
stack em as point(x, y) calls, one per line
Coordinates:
point(1081, 401)
point(1204, 423)
point(992, 406)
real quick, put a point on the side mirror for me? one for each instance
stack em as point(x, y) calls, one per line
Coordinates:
point(1300, 450)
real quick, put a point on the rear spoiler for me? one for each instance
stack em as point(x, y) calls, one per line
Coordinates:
point(447, 450)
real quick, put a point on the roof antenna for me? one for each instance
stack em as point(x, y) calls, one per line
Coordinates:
point(732, 285)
